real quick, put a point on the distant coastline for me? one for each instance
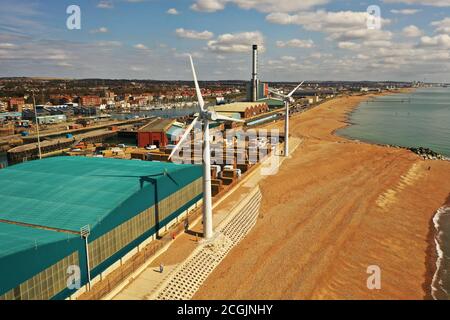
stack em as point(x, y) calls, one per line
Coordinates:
point(425, 152)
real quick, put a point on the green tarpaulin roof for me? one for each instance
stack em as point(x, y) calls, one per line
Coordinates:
point(14, 238)
point(70, 192)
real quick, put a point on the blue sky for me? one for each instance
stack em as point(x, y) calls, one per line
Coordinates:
point(150, 39)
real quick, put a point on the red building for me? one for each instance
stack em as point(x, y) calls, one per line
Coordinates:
point(16, 104)
point(90, 101)
point(155, 133)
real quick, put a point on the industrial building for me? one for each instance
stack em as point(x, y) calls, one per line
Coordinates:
point(158, 132)
point(244, 109)
point(86, 212)
point(59, 118)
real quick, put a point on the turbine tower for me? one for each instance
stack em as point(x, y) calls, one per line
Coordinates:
point(205, 116)
point(287, 101)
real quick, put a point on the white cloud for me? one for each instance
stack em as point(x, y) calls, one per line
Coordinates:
point(140, 46)
point(192, 34)
point(105, 4)
point(441, 40)
point(320, 55)
point(260, 5)
point(236, 42)
point(109, 43)
point(412, 31)
point(377, 44)
point(7, 46)
point(208, 5)
point(288, 58)
point(442, 26)
point(329, 22)
point(173, 11)
point(349, 45)
point(347, 28)
point(100, 30)
point(296, 43)
point(406, 11)
point(435, 3)
point(137, 68)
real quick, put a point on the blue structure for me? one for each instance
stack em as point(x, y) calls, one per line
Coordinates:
point(46, 203)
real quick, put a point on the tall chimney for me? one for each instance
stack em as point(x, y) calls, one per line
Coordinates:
point(255, 74)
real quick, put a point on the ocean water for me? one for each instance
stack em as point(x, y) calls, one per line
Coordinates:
point(421, 120)
point(440, 287)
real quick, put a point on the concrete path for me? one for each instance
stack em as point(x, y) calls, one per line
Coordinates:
point(148, 281)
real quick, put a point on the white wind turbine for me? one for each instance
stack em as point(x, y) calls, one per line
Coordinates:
point(205, 116)
point(287, 100)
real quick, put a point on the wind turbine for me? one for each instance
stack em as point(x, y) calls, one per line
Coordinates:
point(205, 116)
point(287, 100)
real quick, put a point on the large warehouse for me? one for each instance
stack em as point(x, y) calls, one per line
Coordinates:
point(45, 205)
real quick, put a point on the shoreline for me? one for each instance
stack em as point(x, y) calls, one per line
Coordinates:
point(432, 254)
point(438, 254)
point(334, 228)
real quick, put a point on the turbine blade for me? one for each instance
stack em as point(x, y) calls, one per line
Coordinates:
point(225, 118)
point(201, 102)
point(278, 94)
point(184, 137)
point(293, 91)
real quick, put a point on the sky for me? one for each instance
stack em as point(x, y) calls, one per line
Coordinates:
point(299, 39)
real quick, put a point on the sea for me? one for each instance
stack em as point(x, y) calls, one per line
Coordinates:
point(417, 119)
point(440, 286)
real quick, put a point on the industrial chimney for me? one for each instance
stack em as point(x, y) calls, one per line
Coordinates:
point(255, 83)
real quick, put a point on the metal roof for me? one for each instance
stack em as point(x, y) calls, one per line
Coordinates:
point(272, 102)
point(15, 238)
point(236, 107)
point(157, 125)
point(67, 193)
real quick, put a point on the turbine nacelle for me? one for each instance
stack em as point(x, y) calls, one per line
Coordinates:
point(204, 115)
point(210, 115)
point(287, 98)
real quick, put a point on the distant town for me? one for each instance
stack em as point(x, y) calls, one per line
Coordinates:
point(70, 112)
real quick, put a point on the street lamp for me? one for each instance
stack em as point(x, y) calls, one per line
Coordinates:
point(85, 232)
point(37, 126)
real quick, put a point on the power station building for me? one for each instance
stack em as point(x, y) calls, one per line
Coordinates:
point(62, 213)
point(256, 89)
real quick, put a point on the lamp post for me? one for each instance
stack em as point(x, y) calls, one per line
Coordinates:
point(85, 232)
point(37, 126)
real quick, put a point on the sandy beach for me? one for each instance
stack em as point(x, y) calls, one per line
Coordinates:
point(335, 208)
